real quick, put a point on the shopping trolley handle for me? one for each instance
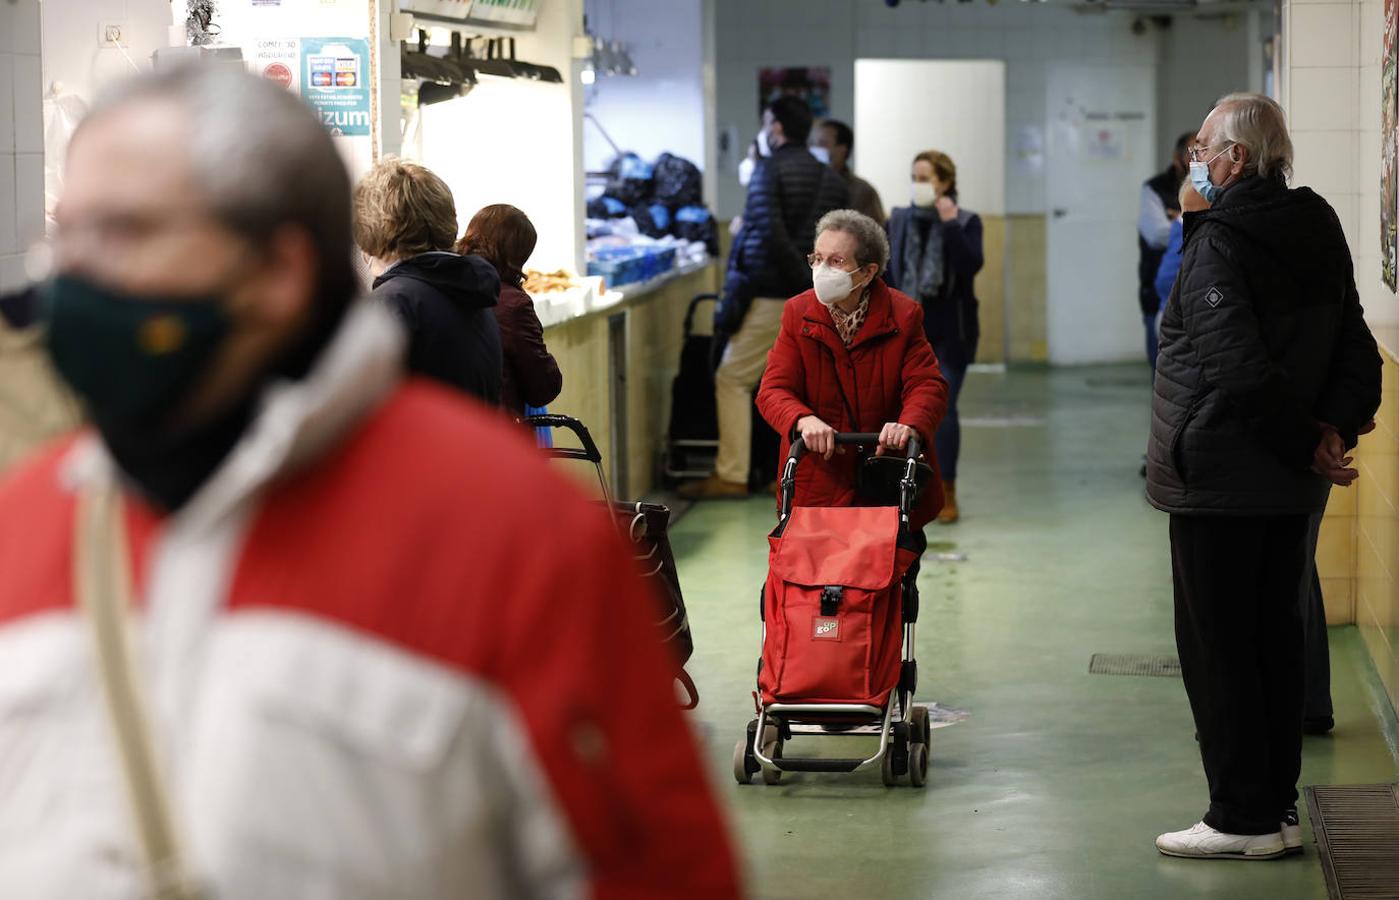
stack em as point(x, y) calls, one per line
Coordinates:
point(589, 452)
point(693, 307)
point(787, 483)
point(860, 438)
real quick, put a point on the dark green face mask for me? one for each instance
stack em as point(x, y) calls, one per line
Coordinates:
point(131, 359)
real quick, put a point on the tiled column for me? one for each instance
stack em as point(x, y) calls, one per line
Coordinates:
point(1330, 88)
point(21, 138)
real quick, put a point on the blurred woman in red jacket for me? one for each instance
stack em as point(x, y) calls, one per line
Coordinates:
point(852, 357)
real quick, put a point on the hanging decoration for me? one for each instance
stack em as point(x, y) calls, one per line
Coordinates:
point(199, 26)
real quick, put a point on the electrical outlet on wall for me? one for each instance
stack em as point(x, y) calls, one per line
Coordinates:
point(112, 34)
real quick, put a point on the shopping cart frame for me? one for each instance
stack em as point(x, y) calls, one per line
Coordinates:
point(904, 731)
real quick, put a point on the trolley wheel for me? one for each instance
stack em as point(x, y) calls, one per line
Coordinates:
point(918, 765)
point(921, 726)
point(742, 774)
point(772, 749)
point(887, 773)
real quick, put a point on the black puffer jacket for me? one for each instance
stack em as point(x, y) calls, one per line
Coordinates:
point(789, 192)
point(1262, 340)
point(445, 300)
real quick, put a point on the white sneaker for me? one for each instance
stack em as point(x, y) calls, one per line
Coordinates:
point(1203, 842)
point(1291, 832)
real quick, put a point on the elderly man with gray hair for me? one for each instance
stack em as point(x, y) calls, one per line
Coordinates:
point(271, 628)
point(1266, 376)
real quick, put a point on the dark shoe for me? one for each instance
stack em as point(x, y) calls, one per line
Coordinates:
point(713, 488)
point(1322, 725)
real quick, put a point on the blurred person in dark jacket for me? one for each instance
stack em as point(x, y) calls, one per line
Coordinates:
point(1266, 377)
point(505, 237)
point(835, 140)
point(789, 191)
point(406, 223)
point(935, 255)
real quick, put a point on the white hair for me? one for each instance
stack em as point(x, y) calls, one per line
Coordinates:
point(258, 155)
point(871, 243)
point(1258, 123)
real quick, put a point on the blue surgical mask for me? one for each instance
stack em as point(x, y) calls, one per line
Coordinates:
point(1200, 178)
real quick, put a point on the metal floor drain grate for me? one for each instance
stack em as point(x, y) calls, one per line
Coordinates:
point(1357, 834)
point(1134, 664)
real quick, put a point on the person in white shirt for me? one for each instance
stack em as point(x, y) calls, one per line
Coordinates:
point(1159, 208)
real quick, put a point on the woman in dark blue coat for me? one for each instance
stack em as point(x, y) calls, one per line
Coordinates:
point(935, 253)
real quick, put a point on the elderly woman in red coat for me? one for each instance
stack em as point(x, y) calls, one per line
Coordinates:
point(852, 357)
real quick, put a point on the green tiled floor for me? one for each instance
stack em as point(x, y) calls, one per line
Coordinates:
point(1058, 782)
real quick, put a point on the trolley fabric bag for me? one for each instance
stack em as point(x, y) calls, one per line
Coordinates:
point(833, 607)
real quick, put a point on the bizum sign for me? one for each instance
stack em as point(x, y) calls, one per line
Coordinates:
point(334, 80)
point(351, 121)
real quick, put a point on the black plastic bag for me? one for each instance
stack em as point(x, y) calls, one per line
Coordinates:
point(630, 179)
point(677, 182)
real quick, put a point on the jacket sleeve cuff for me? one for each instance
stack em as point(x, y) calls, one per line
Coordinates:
point(797, 416)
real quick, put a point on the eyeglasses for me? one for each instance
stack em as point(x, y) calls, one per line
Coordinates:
point(835, 262)
point(1197, 153)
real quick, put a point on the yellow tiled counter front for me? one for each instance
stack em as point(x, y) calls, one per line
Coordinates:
point(1359, 548)
point(652, 334)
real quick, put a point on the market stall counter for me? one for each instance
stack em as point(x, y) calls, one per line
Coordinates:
point(619, 350)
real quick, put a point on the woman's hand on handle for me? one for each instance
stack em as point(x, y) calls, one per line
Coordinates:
point(893, 437)
point(817, 435)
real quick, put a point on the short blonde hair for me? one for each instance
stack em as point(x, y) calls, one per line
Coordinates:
point(403, 209)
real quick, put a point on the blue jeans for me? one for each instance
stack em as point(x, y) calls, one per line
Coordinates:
point(953, 358)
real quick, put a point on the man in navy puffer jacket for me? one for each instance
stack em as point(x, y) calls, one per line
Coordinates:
point(789, 192)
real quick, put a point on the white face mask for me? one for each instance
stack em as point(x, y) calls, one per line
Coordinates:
point(822, 155)
point(832, 285)
point(924, 194)
point(764, 149)
point(745, 170)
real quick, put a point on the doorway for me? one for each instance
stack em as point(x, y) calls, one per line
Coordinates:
point(1101, 148)
point(903, 107)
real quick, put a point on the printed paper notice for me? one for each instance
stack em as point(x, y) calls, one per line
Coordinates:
point(278, 60)
point(334, 80)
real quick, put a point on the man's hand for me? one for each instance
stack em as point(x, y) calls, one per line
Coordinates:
point(1172, 214)
point(946, 207)
point(893, 437)
point(1329, 460)
point(818, 436)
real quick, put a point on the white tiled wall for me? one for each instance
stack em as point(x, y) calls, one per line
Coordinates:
point(21, 138)
point(1199, 60)
point(1331, 89)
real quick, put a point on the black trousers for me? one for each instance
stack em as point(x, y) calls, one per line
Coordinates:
point(1239, 635)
